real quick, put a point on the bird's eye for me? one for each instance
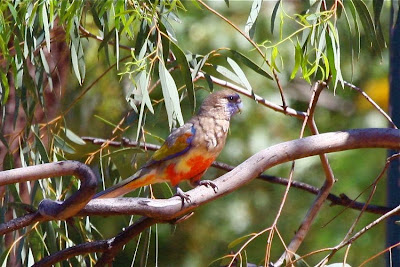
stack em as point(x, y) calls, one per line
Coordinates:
point(230, 98)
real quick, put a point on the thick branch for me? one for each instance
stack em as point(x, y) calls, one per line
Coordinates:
point(341, 200)
point(167, 209)
point(56, 209)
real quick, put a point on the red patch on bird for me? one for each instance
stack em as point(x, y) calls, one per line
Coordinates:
point(197, 164)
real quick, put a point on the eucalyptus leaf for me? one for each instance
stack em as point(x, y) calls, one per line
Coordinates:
point(250, 26)
point(228, 74)
point(171, 96)
point(239, 72)
point(249, 63)
point(185, 70)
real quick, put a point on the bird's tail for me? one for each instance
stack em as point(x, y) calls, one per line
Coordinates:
point(139, 179)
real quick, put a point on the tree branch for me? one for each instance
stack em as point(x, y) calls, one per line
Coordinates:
point(167, 209)
point(56, 209)
point(110, 247)
point(341, 200)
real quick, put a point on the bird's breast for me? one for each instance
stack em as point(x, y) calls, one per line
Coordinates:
point(188, 166)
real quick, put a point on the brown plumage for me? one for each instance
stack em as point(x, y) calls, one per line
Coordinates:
point(189, 150)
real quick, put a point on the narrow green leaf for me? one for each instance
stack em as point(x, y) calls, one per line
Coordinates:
point(356, 27)
point(40, 147)
point(171, 96)
point(274, 54)
point(209, 82)
point(51, 241)
point(239, 72)
point(185, 70)
point(73, 137)
point(368, 25)
point(143, 83)
point(249, 63)
point(4, 88)
point(117, 47)
point(75, 65)
point(239, 240)
point(273, 16)
point(377, 6)
point(165, 43)
point(227, 73)
point(46, 26)
point(46, 68)
point(298, 52)
point(198, 67)
point(63, 145)
point(141, 36)
point(168, 28)
point(250, 26)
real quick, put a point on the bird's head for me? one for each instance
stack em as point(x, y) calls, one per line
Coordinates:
point(221, 104)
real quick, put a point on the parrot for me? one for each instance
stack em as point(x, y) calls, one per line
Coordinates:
point(188, 151)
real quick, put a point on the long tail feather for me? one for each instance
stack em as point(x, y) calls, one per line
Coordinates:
point(137, 180)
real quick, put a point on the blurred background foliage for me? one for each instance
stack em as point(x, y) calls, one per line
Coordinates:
point(104, 112)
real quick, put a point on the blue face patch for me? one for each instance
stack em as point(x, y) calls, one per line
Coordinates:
point(234, 105)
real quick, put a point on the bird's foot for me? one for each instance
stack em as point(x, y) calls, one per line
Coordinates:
point(208, 183)
point(183, 196)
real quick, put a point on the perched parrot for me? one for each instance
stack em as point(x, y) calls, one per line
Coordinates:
point(189, 150)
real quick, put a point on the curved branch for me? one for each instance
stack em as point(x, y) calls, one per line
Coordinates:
point(167, 209)
point(341, 200)
point(56, 209)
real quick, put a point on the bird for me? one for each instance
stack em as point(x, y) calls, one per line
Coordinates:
point(188, 151)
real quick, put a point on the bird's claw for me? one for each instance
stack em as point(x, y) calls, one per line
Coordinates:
point(208, 183)
point(183, 196)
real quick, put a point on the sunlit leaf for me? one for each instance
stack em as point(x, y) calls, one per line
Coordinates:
point(274, 54)
point(75, 65)
point(171, 97)
point(228, 74)
point(73, 137)
point(297, 59)
point(240, 74)
point(250, 26)
point(46, 26)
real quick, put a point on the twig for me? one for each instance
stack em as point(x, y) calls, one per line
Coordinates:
point(325, 189)
point(364, 94)
point(86, 33)
point(289, 111)
point(254, 45)
point(364, 208)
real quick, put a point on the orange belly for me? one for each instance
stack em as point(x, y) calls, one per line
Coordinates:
point(194, 166)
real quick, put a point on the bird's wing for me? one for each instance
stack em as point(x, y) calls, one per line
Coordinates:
point(177, 143)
